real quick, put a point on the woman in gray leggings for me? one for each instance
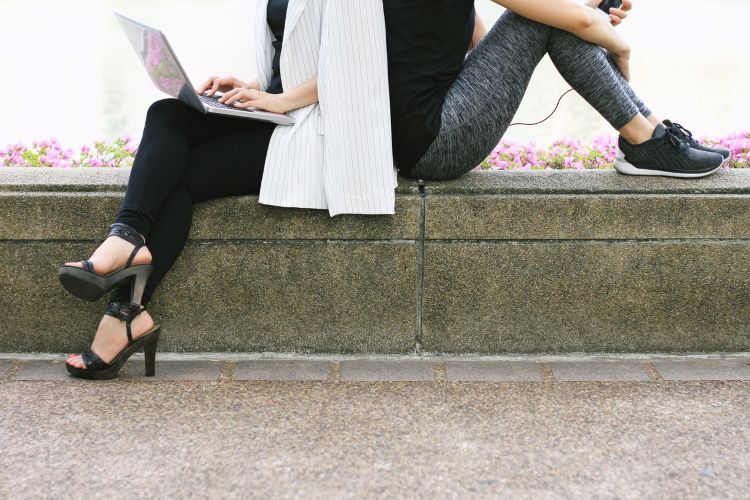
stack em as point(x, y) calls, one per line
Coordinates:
point(450, 110)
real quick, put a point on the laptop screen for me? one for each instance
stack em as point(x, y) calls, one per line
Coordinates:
point(157, 57)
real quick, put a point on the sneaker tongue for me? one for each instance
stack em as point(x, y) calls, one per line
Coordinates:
point(660, 131)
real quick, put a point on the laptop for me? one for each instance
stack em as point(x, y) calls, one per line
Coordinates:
point(168, 75)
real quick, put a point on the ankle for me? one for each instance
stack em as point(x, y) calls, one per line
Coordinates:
point(638, 130)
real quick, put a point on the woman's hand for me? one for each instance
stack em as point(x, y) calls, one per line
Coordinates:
point(224, 84)
point(616, 16)
point(253, 98)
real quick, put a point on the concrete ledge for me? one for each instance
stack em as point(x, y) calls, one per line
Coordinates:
point(545, 262)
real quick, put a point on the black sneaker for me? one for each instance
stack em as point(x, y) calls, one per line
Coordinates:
point(666, 154)
point(687, 136)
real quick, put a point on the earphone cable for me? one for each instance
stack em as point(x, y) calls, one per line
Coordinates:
point(548, 117)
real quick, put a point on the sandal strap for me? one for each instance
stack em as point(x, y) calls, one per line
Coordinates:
point(88, 266)
point(125, 311)
point(92, 361)
point(130, 235)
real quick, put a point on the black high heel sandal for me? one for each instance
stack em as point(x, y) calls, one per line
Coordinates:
point(85, 284)
point(97, 369)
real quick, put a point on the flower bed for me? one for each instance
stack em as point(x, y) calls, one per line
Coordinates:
point(572, 154)
point(564, 154)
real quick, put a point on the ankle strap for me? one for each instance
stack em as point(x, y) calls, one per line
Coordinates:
point(127, 233)
point(126, 312)
point(130, 235)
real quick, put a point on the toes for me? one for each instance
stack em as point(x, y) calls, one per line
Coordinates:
point(76, 361)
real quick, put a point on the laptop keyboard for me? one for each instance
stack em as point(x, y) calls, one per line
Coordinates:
point(214, 102)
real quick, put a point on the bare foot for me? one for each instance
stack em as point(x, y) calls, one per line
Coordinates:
point(112, 255)
point(111, 337)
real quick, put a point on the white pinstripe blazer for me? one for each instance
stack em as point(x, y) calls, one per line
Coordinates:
point(338, 155)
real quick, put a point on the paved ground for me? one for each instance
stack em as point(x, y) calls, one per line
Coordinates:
point(664, 428)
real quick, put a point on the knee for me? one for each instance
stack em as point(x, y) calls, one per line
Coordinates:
point(165, 108)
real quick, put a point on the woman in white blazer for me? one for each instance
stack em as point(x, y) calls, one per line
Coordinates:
point(323, 62)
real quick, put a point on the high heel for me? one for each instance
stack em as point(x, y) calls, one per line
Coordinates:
point(85, 284)
point(97, 369)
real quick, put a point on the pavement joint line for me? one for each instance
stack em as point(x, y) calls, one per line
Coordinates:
point(441, 375)
point(334, 372)
point(652, 372)
point(13, 369)
point(227, 373)
point(548, 377)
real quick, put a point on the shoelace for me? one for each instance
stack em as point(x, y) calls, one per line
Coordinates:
point(682, 132)
point(676, 141)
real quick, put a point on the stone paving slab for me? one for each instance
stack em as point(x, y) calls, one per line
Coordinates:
point(282, 370)
point(387, 371)
point(599, 371)
point(704, 369)
point(195, 371)
point(492, 371)
point(44, 370)
point(4, 365)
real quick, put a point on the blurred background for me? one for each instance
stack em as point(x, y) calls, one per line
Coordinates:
point(69, 72)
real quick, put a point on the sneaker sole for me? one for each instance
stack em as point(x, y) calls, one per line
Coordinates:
point(628, 169)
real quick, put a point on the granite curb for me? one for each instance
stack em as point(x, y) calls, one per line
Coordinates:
point(400, 369)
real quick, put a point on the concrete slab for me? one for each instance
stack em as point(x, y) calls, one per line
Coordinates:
point(281, 370)
point(586, 296)
point(599, 371)
point(184, 371)
point(492, 371)
point(255, 296)
point(44, 370)
point(4, 365)
point(704, 369)
point(534, 216)
point(387, 370)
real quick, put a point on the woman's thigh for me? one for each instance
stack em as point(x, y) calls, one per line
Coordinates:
point(231, 165)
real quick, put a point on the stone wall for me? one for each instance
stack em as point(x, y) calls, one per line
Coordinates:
point(492, 263)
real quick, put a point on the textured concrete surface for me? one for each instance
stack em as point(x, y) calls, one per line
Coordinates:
point(386, 370)
point(200, 371)
point(352, 368)
point(599, 371)
point(282, 370)
point(589, 182)
point(526, 262)
point(384, 440)
point(4, 365)
point(87, 216)
point(547, 217)
point(513, 297)
point(252, 296)
point(95, 179)
point(492, 371)
point(703, 370)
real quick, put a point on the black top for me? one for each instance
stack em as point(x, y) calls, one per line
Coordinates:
point(276, 14)
point(427, 42)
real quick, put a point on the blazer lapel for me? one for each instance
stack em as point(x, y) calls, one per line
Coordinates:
point(293, 15)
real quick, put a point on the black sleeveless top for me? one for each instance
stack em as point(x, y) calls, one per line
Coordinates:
point(427, 41)
point(276, 14)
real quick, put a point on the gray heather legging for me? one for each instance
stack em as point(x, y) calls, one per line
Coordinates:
point(484, 98)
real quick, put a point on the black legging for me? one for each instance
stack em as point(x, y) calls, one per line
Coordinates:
point(186, 157)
